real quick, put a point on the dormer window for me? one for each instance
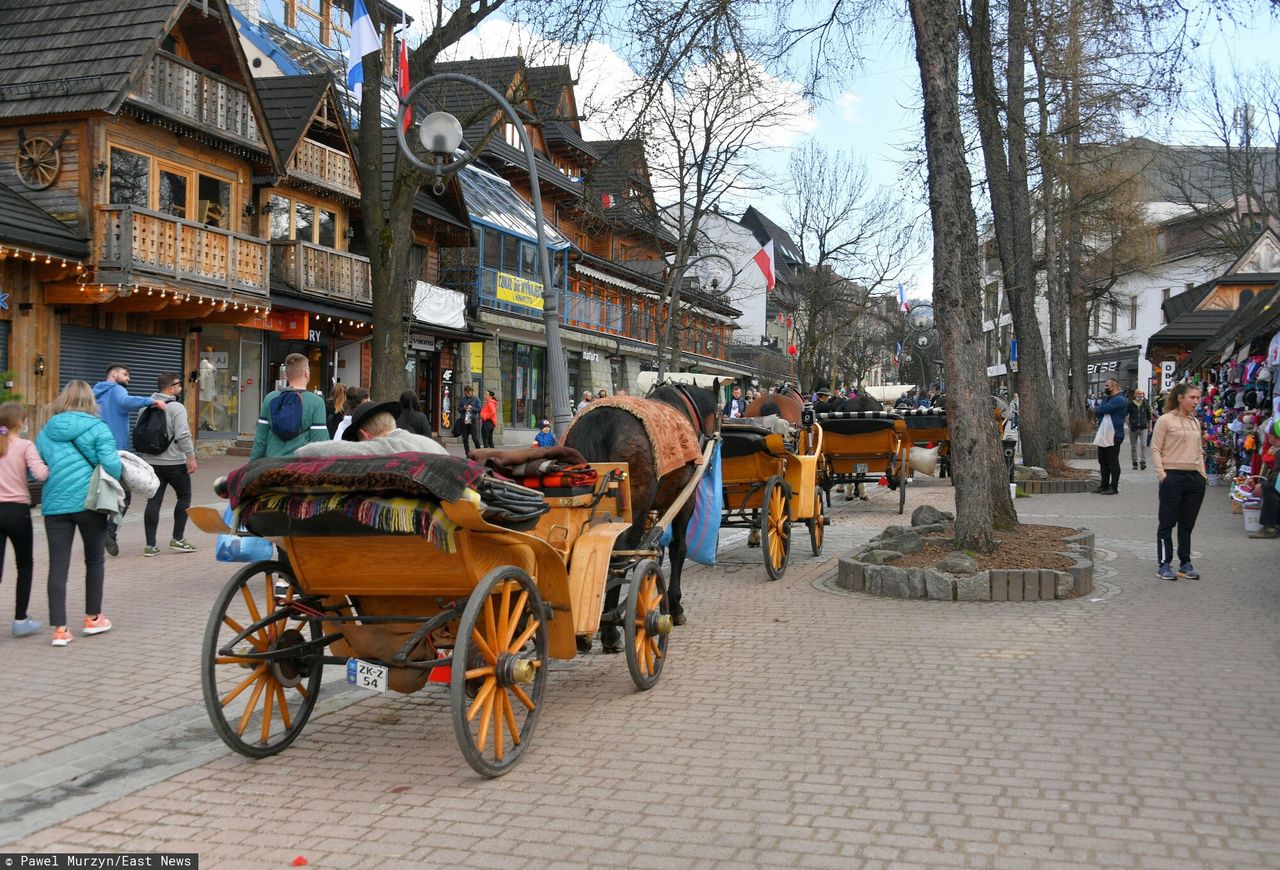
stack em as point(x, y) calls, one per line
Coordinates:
point(512, 136)
point(323, 20)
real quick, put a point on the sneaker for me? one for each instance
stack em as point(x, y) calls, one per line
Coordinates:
point(1135, 466)
point(149, 551)
point(1264, 532)
point(61, 637)
point(1186, 570)
point(1143, 466)
point(181, 545)
point(1164, 572)
point(26, 627)
point(113, 546)
point(96, 624)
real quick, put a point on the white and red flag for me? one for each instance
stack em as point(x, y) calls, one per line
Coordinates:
point(764, 257)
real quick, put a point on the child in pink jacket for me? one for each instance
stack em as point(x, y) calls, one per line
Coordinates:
point(18, 458)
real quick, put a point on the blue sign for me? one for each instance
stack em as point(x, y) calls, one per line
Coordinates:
point(1013, 350)
point(4, 301)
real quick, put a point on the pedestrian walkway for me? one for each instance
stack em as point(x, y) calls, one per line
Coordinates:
point(792, 726)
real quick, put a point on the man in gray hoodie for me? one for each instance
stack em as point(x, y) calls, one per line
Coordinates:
point(173, 466)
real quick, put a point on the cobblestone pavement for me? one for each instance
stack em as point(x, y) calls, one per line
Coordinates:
point(792, 727)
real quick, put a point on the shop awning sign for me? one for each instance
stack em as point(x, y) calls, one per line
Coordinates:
point(519, 291)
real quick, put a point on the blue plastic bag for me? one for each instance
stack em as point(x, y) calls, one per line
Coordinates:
point(703, 535)
point(237, 548)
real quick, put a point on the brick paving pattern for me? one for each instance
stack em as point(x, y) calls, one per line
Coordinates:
point(792, 726)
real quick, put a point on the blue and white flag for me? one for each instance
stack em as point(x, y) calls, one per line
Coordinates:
point(898, 353)
point(364, 39)
point(902, 293)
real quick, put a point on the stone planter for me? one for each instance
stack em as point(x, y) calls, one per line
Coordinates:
point(1058, 487)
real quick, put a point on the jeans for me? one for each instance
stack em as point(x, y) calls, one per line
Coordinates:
point(486, 432)
point(1138, 446)
point(1109, 465)
point(60, 529)
point(179, 478)
point(15, 525)
point(470, 431)
point(1181, 493)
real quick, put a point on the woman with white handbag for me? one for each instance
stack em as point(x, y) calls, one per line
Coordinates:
point(83, 469)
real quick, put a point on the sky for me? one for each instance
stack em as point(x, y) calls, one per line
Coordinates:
point(875, 114)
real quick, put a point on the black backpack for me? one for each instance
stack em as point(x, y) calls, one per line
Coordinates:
point(151, 432)
point(285, 415)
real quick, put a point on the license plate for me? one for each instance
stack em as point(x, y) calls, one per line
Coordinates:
point(366, 675)
point(860, 468)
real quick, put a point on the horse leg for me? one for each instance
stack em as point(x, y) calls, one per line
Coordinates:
point(677, 551)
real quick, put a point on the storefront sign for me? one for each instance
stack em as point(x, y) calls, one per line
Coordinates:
point(441, 306)
point(276, 321)
point(296, 325)
point(1100, 368)
point(1168, 370)
point(590, 356)
point(446, 376)
point(519, 291)
point(997, 370)
point(425, 343)
point(217, 359)
point(314, 336)
point(477, 357)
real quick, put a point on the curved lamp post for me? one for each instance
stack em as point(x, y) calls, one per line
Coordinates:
point(674, 303)
point(441, 135)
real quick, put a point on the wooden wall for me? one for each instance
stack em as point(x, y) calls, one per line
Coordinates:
point(65, 198)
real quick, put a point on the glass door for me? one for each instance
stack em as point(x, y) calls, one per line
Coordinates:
point(250, 392)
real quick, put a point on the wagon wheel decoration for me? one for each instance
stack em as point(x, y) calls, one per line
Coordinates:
point(260, 690)
point(648, 623)
point(775, 528)
point(499, 671)
point(38, 161)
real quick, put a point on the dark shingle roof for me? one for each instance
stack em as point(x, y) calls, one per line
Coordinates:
point(622, 167)
point(68, 56)
point(424, 202)
point(289, 102)
point(785, 250)
point(24, 223)
point(1194, 326)
point(1246, 323)
point(1176, 306)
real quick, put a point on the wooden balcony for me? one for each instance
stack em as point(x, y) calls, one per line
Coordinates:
point(325, 166)
point(197, 97)
point(325, 272)
point(138, 243)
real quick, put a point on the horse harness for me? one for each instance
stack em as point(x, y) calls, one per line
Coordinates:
point(692, 409)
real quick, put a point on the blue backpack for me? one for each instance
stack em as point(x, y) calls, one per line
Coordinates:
point(285, 415)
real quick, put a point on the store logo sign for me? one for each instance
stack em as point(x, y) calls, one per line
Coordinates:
point(1099, 368)
point(4, 301)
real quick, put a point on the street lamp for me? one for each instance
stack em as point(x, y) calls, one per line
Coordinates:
point(441, 135)
point(674, 303)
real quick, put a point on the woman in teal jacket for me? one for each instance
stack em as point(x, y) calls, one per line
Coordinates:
point(72, 444)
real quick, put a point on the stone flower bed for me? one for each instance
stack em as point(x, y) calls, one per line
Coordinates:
point(957, 576)
point(1036, 481)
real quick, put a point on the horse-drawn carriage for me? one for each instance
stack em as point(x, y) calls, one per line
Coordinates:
point(860, 447)
point(927, 426)
point(415, 568)
point(770, 480)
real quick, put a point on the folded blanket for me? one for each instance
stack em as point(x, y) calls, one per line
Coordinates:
point(528, 461)
point(583, 475)
point(444, 478)
point(393, 516)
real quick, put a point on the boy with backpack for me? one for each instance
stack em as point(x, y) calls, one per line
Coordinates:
point(290, 417)
point(163, 439)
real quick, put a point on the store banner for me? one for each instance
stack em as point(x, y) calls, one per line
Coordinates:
point(439, 306)
point(477, 357)
point(519, 291)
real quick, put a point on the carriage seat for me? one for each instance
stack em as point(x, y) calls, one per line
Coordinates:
point(858, 422)
point(925, 418)
point(747, 435)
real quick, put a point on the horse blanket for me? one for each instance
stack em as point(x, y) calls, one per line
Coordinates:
point(671, 434)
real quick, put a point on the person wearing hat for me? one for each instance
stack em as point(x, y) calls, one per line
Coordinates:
point(545, 437)
point(373, 432)
point(466, 424)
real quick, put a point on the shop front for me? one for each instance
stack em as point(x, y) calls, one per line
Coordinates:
point(229, 380)
point(522, 391)
point(1121, 364)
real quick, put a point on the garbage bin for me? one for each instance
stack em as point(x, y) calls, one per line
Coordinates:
point(1010, 446)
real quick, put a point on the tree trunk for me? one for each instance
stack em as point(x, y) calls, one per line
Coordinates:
point(1078, 319)
point(1055, 298)
point(982, 495)
point(1040, 426)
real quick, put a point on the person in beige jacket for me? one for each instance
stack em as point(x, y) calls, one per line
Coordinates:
point(1177, 452)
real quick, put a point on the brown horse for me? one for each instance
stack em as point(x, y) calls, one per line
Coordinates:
point(787, 404)
point(614, 435)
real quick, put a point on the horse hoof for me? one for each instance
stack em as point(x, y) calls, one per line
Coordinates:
point(848, 498)
point(610, 640)
point(865, 498)
point(584, 643)
point(678, 618)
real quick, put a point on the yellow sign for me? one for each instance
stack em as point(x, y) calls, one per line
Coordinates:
point(519, 291)
point(477, 357)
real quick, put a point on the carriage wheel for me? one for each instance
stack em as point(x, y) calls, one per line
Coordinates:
point(258, 707)
point(817, 525)
point(648, 623)
point(499, 671)
point(775, 528)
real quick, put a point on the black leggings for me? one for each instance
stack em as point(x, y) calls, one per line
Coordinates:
point(179, 478)
point(60, 529)
point(486, 432)
point(1181, 493)
point(15, 525)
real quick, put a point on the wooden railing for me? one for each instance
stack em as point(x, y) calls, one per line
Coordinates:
point(325, 166)
point(197, 96)
point(322, 271)
point(139, 243)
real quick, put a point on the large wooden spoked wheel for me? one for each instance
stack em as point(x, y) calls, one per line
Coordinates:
point(499, 670)
point(817, 523)
point(775, 528)
point(648, 623)
point(258, 707)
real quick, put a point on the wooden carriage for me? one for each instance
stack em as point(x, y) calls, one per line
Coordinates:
point(770, 480)
point(483, 611)
point(860, 447)
point(929, 426)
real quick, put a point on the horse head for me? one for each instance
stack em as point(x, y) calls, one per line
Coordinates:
point(699, 404)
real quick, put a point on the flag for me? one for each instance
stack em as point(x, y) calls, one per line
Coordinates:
point(364, 39)
point(898, 353)
point(902, 298)
point(606, 200)
point(764, 257)
point(402, 75)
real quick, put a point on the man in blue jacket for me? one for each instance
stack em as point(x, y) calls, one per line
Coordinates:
point(114, 407)
point(1116, 407)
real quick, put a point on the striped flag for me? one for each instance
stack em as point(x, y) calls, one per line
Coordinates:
point(364, 39)
point(764, 258)
point(902, 299)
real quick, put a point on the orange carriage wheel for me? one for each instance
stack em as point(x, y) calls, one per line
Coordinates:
point(499, 670)
point(648, 623)
point(775, 527)
point(260, 684)
point(817, 524)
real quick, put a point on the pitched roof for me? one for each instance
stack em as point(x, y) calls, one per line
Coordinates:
point(289, 103)
point(24, 223)
point(1176, 306)
point(1247, 322)
point(784, 247)
point(1192, 327)
point(436, 208)
point(65, 56)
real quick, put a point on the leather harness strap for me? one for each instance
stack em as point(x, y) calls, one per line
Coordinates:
point(694, 417)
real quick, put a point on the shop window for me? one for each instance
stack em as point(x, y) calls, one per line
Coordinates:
point(130, 178)
point(511, 255)
point(522, 396)
point(492, 249)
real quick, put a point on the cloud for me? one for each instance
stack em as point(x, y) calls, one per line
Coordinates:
point(850, 104)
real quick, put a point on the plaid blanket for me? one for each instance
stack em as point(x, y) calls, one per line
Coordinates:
point(577, 475)
point(422, 475)
point(393, 516)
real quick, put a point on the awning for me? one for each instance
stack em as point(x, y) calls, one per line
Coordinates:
point(615, 281)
